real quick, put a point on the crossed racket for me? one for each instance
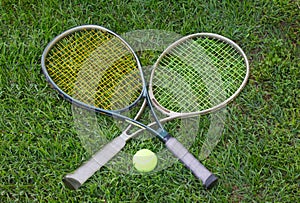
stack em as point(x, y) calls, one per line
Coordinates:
point(96, 69)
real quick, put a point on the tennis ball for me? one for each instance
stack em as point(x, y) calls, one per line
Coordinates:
point(144, 160)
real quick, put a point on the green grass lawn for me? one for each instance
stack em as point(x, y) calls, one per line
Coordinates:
point(258, 156)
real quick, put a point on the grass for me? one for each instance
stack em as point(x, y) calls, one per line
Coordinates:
point(258, 156)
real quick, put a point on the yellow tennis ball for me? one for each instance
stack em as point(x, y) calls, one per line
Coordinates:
point(144, 160)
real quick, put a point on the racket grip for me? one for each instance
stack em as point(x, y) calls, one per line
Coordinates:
point(85, 171)
point(191, 162)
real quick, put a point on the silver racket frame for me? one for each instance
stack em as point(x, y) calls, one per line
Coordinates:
point(76, 101)
point(209, 110)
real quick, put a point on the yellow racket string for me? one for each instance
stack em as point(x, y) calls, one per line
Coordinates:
point(96, 68)
point(204, 70)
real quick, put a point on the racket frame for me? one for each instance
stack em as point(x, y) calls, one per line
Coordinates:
point(205, 111)
point(112, 113)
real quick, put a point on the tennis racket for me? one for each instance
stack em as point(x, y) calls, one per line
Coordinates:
point(96, 69)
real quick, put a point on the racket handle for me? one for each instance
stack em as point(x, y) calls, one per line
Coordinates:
point(191, 162)
point(85, 171)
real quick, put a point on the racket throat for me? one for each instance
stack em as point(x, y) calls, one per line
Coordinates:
point(163, 135)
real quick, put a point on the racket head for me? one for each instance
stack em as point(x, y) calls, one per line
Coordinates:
point(206, 71)
point(94, 68)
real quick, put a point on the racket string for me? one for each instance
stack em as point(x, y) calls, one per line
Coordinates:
point(65, 58)
point(118, 76)
point(228, 57)
point(205, 74)
point(96, 68)
point(212, 69)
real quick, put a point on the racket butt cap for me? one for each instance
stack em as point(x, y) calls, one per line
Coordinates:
point(211, 181)
point(71, 183)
